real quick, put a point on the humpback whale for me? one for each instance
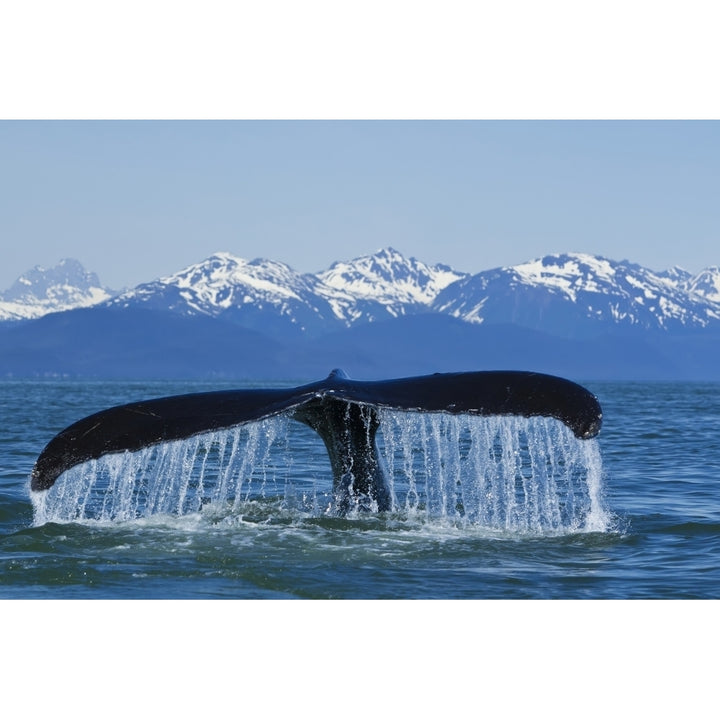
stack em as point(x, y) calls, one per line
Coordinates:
point(343, 412)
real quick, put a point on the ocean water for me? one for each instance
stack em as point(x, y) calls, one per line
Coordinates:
point(484, 508)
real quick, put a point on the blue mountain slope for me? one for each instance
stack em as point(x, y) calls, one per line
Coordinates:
point(134, 343)
point(435, 343)
point(102, 342)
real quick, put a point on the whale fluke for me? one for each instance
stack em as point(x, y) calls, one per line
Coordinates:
point(341, 410)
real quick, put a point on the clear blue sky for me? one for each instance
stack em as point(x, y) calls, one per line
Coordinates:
point(133, 200)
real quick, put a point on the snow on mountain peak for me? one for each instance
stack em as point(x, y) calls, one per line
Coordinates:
point(223, 282)
point(40, 291)
point(706, 284)
point(368, 288)
point(389, 278)
point(565, 293)
point(568, 273)
point(215, 280)
point(676, 275)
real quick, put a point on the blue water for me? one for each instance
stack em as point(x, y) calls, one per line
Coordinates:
point(249, 514)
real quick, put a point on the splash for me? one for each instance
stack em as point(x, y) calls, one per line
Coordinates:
point(175, 478)
point(507, 474)
point(520, 475)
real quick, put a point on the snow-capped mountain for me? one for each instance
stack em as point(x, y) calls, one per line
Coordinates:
point(41, 291)
point(386, 284)
point(261, 294)
point(677, 275)
point(706, 284)
point(271, 296)
point(576, 294)
point(569, 295)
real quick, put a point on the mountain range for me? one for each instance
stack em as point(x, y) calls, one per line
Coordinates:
point(382, 315)
point(41, 291)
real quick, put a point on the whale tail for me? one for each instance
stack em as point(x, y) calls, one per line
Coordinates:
point(344, 413)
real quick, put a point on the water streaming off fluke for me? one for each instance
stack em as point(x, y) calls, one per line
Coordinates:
point(508, 474)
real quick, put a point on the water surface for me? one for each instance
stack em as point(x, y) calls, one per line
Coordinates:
point(484, 508)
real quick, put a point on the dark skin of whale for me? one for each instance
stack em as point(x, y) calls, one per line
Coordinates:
point(342, 411)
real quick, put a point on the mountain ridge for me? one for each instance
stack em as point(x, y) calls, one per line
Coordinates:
point(568, 313)
point(40, 291)
point(386, 284)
